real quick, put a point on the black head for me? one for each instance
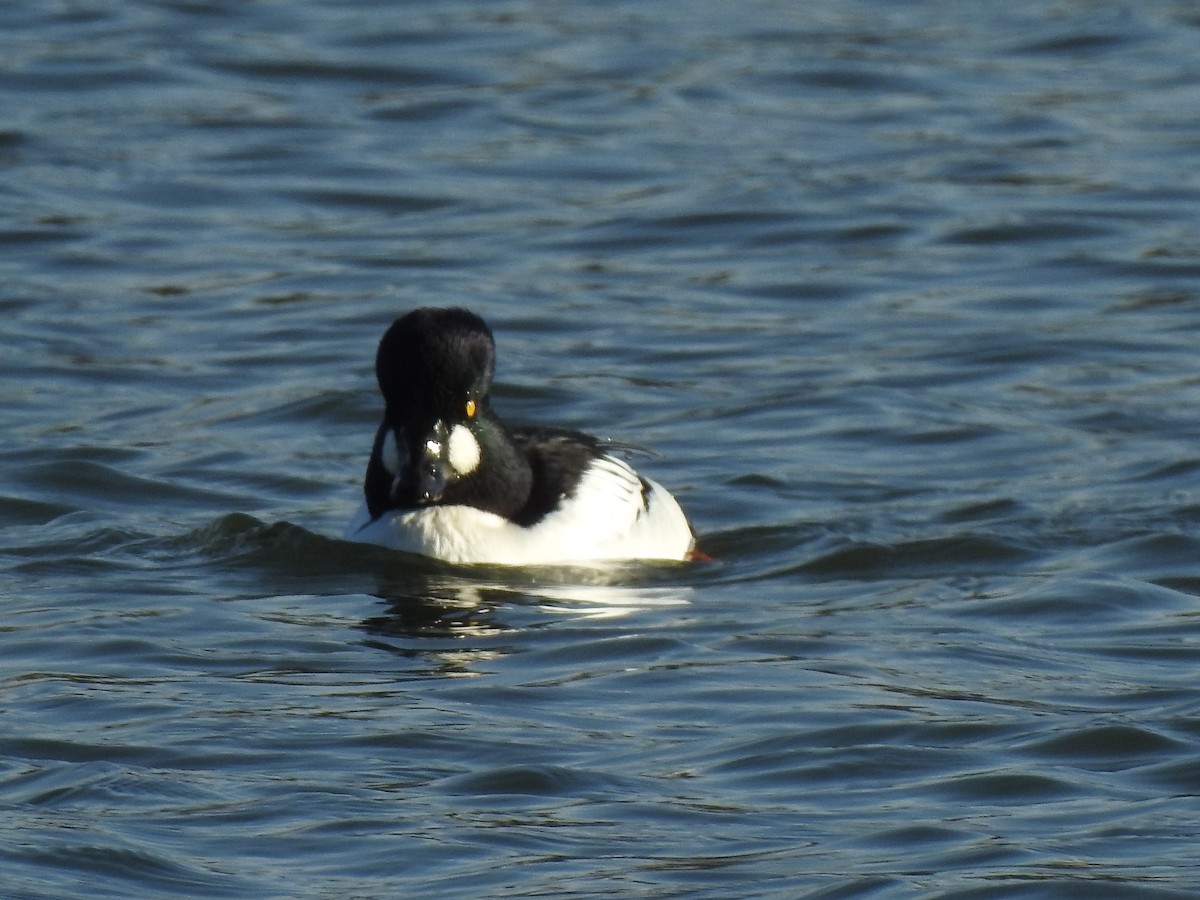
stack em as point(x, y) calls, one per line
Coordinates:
point(431, 362)
point(439, 442)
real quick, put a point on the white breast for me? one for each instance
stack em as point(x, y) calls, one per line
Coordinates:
point(605, 520)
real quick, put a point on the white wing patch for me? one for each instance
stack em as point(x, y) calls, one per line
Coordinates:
point(609, 496)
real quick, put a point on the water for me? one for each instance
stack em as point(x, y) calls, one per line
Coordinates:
point(905, 295)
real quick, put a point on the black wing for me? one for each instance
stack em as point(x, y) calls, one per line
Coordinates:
point(558, 458)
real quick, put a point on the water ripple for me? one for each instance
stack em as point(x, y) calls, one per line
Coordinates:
point(902, 294)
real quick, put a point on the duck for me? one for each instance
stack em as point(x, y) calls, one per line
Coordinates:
point(449, 479)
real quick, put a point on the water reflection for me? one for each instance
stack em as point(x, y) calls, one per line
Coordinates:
point(462, 620)
point(459, 616)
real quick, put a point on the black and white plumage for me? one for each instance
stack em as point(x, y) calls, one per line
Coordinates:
point(448, 479)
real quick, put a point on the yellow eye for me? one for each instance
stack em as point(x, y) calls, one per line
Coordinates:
point(470, 409)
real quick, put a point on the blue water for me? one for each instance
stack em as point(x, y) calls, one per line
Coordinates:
point(905, 295)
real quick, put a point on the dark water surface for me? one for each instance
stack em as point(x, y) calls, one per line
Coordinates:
point(907, 295)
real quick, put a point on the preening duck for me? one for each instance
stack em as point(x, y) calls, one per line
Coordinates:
point(447, 478)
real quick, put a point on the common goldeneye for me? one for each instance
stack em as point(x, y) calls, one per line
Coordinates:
point(448, 479)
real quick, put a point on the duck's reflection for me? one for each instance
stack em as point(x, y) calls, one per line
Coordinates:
point(465, 617)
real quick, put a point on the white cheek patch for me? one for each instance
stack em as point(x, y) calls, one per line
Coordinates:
point(391, 454)
point(464, 450)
